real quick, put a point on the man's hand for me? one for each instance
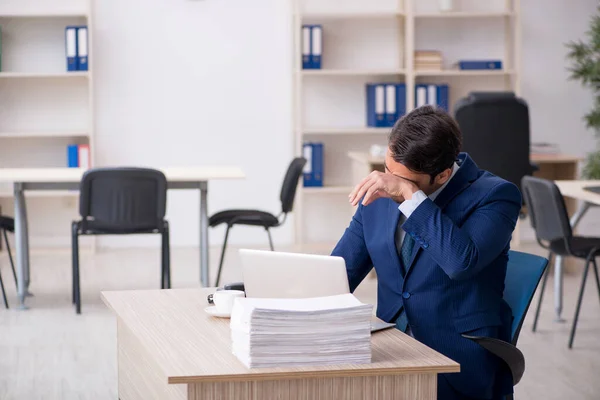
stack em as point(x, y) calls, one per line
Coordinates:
point(379, 184)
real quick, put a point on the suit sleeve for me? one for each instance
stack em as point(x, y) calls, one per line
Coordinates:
point(464, 251)
point(353, 249)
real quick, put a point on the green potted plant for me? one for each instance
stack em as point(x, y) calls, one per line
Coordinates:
point(585, 68)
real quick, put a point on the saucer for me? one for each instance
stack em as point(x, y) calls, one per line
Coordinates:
point(212, 310)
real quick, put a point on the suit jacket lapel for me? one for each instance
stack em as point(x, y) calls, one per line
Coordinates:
point(463, 178)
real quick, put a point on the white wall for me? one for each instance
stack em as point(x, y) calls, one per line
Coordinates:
point(183, 82)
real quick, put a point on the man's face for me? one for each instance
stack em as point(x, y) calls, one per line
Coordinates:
point(423, 181)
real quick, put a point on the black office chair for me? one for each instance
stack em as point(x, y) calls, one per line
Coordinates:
point(7, 224)
point(495, 130)
point(121, 201)
point(553, 231)
point(261, 218)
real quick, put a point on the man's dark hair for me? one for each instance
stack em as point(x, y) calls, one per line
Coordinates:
point(427, 140)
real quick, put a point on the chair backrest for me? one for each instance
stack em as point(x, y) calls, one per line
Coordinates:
point(123, 198)
point(290, 184)
point(495, 132)
point(546, 208)
point(523, 275)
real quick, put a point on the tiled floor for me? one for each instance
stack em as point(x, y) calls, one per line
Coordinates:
point(48, 352)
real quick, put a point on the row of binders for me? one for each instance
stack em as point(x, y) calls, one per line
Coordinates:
point(386, 102)
point(76, 48)
point(312, 46)
point(313, 169)
point(78, 156)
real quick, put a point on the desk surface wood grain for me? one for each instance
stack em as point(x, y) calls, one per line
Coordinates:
point(191, 346)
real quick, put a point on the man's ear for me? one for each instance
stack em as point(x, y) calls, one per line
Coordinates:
point(443, 176)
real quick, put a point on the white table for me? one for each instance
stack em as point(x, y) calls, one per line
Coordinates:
point(573, 189)
point(28, 179)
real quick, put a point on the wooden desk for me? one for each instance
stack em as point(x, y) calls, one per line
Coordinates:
point(26, 179)
point(169, 348)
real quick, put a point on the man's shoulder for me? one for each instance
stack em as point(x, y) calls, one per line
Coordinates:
point(490, 185)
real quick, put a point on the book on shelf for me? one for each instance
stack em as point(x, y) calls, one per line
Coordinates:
point(386, 103)
point(428, 60)
point(78, 156)
point(312, 46)
point(313, 169)
point(76, 48)
point(479, 64)
point(432, 94)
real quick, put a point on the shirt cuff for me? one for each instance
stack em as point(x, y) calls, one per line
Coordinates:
point(408, 206)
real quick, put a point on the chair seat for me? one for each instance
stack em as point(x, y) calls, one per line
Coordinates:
point(99, 228)
point(580, 246)
point(244, 217)
point(7, 223)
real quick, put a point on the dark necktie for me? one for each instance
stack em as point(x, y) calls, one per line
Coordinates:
point(404, 252)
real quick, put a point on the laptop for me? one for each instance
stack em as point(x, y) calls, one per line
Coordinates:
point(270, 274)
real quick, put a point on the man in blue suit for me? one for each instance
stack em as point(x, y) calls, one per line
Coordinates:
point(437, 230)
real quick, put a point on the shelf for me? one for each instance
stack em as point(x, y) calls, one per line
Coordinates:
point(347, 131)
point(457, 72)
point(351, 72)
point(76, 74)
point(466, 14)
point(42, 193)
point(25, 14)
point(353, 15)
point(328, 190)
point(49, 134)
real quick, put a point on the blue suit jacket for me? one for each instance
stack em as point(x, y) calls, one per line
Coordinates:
point(455, 280)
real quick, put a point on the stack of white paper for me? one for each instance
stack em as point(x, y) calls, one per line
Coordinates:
point(294, 332)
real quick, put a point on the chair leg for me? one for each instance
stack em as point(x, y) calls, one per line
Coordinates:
point(75, 252)
point(3, 292)
point(10, 258)
point(596, 275)
point(539, 305)
point(581, 289)
point(166, 258)
point(270, 239)
point(222, 255)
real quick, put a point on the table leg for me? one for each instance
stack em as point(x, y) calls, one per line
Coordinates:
point(204, 234)
point(558, 266)
point(21, 244)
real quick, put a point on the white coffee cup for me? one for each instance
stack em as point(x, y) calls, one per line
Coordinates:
point(224, 299)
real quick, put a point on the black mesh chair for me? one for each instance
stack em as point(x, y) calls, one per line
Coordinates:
point(7, 224)
point(261, 218)
point(550, 221)
point(495, 131)
point(121, 201)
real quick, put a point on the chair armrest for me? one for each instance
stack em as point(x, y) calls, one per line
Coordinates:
point(506, 351)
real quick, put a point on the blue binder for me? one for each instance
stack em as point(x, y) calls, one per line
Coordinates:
point(307, 172)
point(371, 117)
point(73, 156)
point(442, 97)
point(71, 48)
point(480, 64)
point(306, 46)
point(316, 46)
point(391, 104)
point(318, 164)
point(420, 95)
point(400, 100)
point(82, 48)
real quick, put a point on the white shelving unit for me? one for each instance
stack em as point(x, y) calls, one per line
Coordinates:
point(377, 44)
point(43, 107)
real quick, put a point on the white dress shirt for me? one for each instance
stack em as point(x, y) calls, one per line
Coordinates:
point(407, 207)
